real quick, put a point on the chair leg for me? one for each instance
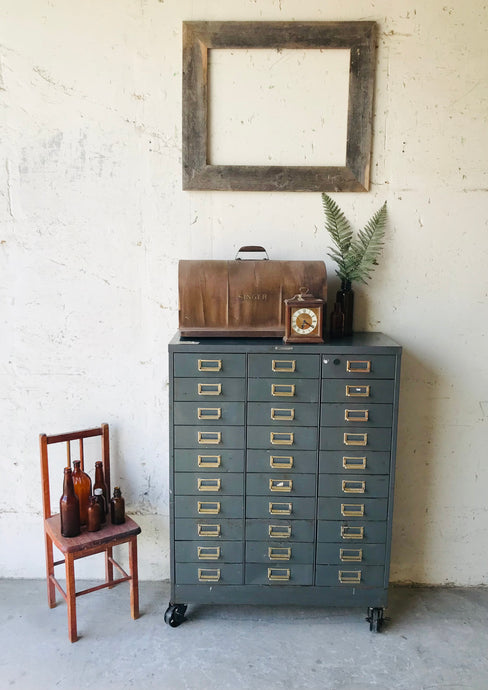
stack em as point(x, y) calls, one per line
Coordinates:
point(109, 566)
point(51, 589)
point(71, 597)
point(134, 582)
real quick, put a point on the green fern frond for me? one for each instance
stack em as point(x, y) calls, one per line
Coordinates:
point(340, 232)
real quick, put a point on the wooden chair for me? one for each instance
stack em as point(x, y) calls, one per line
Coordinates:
point(87, 543)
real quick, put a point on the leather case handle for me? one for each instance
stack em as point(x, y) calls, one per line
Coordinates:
point(252, 248)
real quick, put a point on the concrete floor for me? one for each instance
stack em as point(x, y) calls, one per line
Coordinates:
point(437, 638)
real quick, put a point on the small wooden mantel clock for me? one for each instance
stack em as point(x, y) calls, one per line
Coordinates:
point(304, 318)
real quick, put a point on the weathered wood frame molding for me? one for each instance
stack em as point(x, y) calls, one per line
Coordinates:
point(200, 37)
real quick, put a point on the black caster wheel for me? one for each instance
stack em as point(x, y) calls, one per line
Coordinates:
point(375, 618)
point(175, 615)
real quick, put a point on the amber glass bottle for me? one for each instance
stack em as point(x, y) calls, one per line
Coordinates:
point(82, 483)
point(69, 507)
point(99, 482)
point(94, 514)
point(99, 497)
point(117, 507)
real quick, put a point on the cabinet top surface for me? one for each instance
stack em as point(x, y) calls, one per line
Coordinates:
point(358, 342)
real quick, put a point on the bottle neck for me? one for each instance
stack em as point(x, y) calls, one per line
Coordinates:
point(68, 486)
point(346, 285)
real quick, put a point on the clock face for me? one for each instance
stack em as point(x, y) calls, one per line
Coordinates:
point(304, 320)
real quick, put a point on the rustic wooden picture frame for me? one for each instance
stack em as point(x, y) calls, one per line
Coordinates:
point(200, 37)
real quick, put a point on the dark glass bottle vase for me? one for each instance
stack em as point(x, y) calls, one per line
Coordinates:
point(69, 507)
point(345, 297)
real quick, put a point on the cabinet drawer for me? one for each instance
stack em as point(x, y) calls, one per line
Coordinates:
point(282, 437)
point(280, 507)
point(358, 366)
point(213, 365)
point(209, 389)
point(209, 413)
point(273, 551)
point(206, 574)
point(209, 437)
point(205, 528)
point(355, 414)
point(355, 532)
point(353, 485)
point(289, 413)
point(354, 461)
point(199, 484)
point(286, 365)
point(215, 507)
point(215, 461)
point(360, 391)
point(347, 576)
point(338, 554)
point(257, 574)
point(353, 438)
point(280, 530)
point(352, 508)
point(281, 484)
point(208, 551)
point(279, 460)
point(284, 390)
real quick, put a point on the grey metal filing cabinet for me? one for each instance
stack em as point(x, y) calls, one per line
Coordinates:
point(282, 463)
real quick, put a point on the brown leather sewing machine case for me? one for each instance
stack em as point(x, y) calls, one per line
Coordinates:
point(244, 297)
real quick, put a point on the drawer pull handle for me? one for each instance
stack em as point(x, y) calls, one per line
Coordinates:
point(350, 577)
point(283, 390)
point(209, 389)
point(282, 574)
point(353, 487)
point(281, 414)
point(357, 391)
point(281, 439)
point(283, 365)
point(350, 555)
point(356, 415)
point(353, 463)
point(355, 439)
point(281, 462)
point(208, 484)
point(209, 365)
point(279, 553)
point(352, 509)
point(208, 530)
point(209, 413)
point(285, 485)
point(352, 532)
point(358, 366)
point(279, 531)
point(208, 507)
point(208, 553)
point(210, 437)
point(207, 575)
point(280, 508)
point(209, 461)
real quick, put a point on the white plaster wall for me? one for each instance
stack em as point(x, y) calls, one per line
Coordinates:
point(93, 222)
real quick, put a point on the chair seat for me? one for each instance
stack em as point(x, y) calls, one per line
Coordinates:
point(88, 540)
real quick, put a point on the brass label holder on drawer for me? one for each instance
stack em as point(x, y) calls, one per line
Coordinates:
point(211, 553)
point(211, 461)
point(209, 389)
point(281, 438)
point(357, 391)
point(209, 575)
point(355, 439)
point(358, 366)
point(352, 532)
point(282, 574)
point(281, 414)
point(279, 531)
point(285, 485)
point(281, 462)
point(208, 530)
point(209, 413)
point(351, 463)
point(209, 437)
point(276, 553)
point(204, 484)
point(283, 390)
point(349, 577)
point(356, 415)
point(209, 365)
point(352, 509)
point(283, 365)
point(353, 487)
point(350, 555)
point(280, 508)
point(208, 507)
